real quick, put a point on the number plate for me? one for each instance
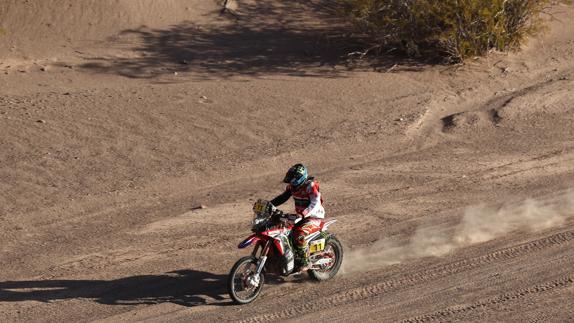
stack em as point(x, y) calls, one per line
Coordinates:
point(317, 245)
point(259, 207)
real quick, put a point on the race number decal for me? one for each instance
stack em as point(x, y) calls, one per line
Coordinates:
point(317, 245)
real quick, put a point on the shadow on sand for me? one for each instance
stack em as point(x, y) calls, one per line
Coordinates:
point(183, 287)
point(299, 38)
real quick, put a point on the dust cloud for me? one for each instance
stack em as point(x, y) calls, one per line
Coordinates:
point(479, 224)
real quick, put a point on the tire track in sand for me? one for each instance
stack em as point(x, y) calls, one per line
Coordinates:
point(440, 271)
point(444, 314)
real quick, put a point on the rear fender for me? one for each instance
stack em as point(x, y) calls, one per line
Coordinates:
point(327, 224)
point(249, 241)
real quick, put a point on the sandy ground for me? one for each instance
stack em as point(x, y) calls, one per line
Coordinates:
point(452, 185)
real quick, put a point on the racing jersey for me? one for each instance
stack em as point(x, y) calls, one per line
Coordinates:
point(308, 201)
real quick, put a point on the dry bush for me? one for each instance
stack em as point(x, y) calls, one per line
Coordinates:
point(454, 29)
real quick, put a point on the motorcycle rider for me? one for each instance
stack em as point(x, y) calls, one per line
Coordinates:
point(308, 206)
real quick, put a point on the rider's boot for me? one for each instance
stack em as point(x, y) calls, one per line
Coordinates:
point(301, 259)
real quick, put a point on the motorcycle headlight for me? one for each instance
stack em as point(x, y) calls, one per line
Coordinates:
point(258, 222)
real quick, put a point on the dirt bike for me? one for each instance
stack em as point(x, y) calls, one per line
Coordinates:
point(273, 253)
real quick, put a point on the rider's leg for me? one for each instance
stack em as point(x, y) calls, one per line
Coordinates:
point(301, 245)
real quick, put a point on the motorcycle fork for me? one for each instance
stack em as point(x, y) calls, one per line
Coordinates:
point(262, 258)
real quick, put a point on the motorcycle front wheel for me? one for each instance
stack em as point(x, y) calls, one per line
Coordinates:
point(243, 284)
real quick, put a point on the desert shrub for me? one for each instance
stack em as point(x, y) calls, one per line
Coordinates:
point(454, 29)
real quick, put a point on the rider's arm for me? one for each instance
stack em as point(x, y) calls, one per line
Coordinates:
point(315, 200)
point(281, 198)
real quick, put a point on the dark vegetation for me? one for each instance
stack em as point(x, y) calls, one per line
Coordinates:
point(451, 29)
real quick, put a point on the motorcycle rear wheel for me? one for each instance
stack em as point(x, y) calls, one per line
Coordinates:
point(239, 283)
point(336, 249)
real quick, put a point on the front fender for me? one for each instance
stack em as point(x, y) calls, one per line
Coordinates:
point(249, 241)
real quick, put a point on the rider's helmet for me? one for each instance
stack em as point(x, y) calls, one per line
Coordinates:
point(296, 175)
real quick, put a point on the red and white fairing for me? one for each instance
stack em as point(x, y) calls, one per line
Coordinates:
point(280, 236)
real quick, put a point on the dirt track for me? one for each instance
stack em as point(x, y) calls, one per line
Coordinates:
point(453, 185)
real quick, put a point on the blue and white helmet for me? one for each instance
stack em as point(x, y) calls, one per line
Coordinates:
point(296, 175)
